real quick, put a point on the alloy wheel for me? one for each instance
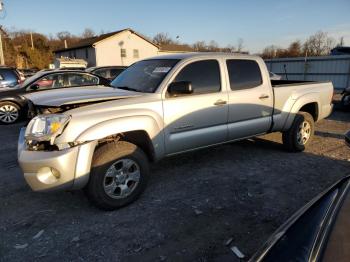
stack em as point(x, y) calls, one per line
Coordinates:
point(121, 178)
point(304, 133)
point(8, 114)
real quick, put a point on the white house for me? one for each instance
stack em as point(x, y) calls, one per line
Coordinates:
point(122, 47)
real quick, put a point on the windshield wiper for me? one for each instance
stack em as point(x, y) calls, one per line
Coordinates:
point(127, 88)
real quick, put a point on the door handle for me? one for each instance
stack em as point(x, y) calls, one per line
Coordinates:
point(220, 102)
point(263, 96)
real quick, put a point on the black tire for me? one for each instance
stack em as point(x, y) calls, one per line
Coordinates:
point(345, 102)
point(290, 137)
point(106, 156)
point(8, 121)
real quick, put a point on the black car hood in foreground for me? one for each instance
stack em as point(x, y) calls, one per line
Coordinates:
point(320, 231)
point(78, 95)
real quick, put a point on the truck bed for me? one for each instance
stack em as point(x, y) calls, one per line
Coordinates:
point(287, 92)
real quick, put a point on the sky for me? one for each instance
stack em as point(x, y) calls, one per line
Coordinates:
point(258, 23)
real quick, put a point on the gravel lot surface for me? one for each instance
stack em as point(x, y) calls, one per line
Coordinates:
point(194, 203)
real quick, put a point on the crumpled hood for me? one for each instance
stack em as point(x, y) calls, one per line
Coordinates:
point(77, 95)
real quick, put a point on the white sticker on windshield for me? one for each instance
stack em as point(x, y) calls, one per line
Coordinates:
point(161, 69)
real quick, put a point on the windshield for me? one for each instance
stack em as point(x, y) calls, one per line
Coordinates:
point(144, 76)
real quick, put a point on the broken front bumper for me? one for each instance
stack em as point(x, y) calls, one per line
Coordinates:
point(55, 170)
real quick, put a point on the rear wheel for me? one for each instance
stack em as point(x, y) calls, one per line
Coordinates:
point(345, 102)
point(300, 134)
point(118, 176)
point(9, 112)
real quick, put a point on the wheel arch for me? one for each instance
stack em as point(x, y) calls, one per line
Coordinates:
point(142, 131)
point(308, 103)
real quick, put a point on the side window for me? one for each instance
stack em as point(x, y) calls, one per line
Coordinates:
point(75, 79)
point(243, 74)
point(136, 53)
point(50, 81)
point(115, 72)
point(123, 52)
point(102, 72)
point(203, 75)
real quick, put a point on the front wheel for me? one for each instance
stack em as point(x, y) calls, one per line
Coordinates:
point(9, 112)
point(300, 134)
point(118, 175)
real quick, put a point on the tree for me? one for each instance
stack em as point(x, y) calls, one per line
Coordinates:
point(200, 46)
point(163, 39)
point(341, 41)
point(294, 49)
point(318, 44)
point(63, 35)
point(269, 52)
point(239, 45)
point(88, 32)
point(213, 46)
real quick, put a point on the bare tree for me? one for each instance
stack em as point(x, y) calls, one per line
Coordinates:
point(229, 48)
point(341, 41)
point(319, 44)
point(200, 46)
point(88, 32)
point(63, 35)
point(240, 44)
point(213, 46)
point(163, 39)
point(269, 52)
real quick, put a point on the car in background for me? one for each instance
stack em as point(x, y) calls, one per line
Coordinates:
point(13, 104)
point(274, 76)
point(108, 72)
point(28, 72)
point(9, 77)
point(347, 138)
point(320, 231)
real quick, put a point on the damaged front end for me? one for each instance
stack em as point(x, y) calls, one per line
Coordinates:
point(34, 110)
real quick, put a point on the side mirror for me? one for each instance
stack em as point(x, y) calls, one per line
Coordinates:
point(180, 88)
point(34, 87)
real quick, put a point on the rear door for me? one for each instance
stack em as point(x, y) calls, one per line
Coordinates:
point(250, 99)
point(198, 119)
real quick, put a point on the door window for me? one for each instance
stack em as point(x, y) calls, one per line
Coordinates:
point(102, 72)
point(203, 75)
point(75, 79)
point(50, 81)
point(243, 74)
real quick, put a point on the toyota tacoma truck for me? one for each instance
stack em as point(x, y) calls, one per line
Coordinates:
point(102, 140)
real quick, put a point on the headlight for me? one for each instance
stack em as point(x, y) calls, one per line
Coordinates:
point(46, 127)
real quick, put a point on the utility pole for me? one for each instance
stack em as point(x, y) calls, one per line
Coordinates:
point(31, 39)
point(2, 59)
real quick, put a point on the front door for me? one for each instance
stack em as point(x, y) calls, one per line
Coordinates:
point(198, 119)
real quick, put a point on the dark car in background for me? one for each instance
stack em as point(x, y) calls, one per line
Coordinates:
point(13, 104)
point(109, 72)
point(347, 138)
point(320, 231)
point(9, 77)
point(28, 72)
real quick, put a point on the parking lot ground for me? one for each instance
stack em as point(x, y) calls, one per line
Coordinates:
point(194, 202)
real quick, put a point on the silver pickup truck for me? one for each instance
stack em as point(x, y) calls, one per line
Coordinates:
point(103, 140)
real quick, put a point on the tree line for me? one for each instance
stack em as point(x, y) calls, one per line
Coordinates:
point(318, 44)
point(25, 49)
